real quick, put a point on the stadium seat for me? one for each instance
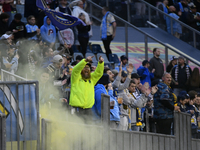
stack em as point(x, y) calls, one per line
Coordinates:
point(88, 49)
point(74, 48)
point(96, 48)
point(114, 58)
point(76, 54)
point(93, 59)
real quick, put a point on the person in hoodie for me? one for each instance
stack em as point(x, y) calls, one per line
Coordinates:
point(3, 23)
point(18, 27)
point(144, 73)
point(48, 32)
point(105, 87)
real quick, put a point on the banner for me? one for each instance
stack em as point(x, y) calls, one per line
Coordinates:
point(25, 98)
point(60, 20)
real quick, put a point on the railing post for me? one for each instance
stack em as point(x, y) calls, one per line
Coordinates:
point(105, 118)
point(146, 47)
point(171, 26)
point(2, 75)
point(2, 131)
point(166, 56)
point(107, 3)
point(149, 13)
point(126, 39)
point(194, 39)
point(147, 120)
point(43, 138)
point(128, 11)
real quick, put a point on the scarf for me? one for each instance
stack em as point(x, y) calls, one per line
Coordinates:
point(165, 10)
point(186, 69)
point(181, 7)
point(104, 27)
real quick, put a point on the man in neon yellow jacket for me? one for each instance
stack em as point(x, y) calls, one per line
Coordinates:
point(82, 86)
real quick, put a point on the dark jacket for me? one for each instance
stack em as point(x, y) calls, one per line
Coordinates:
point(83, 30)
point(157, 64)
point(163, 102)
point(3, 27)
point(182, 76)
point(20, 26)
point(145, 75)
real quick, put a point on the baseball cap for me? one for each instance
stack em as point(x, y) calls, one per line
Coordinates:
point(5, 36)
point(124, 73)
point(66, 55)
point(57, 59)
point(135, 75)
point(173, 58)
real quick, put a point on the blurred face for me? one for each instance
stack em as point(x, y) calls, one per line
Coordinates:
point(131, 88)
point(157, 53)
point(111, 75)
point(58, 65)
point(80, 4)
point(48, 21)
point(16, 20)
point(11, 51)
point(198, 100)
point(9, 40)
point(167, 79)
point(32, 21)
point(5, 20)
point(174, 62)
point(44, 77)
point(124, 62)
point(165, 2)
point(82, 17)
point(63, 2)
point(181, 61)
point(137, 81)
point(183, 102)
point(50, 52)
point(123, 79)
point(191, 102)
point(86, 72)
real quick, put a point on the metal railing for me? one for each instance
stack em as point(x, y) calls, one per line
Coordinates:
point(103, 137)
point(146, 36)
point(2, 131)
point(8, 76)
point(19, 101)
point(150, 7)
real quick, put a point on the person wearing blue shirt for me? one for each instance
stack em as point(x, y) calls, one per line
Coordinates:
point(104, 86)
point(48, 32)
point(32, 30)
point(177, 29)
point(144, 72)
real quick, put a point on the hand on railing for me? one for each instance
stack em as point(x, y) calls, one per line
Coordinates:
point(177, 108)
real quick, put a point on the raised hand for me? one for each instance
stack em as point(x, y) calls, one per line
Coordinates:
point(101, 59)
point(130, 68)
point(89, 59)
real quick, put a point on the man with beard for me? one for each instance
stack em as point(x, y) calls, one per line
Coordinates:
point(164, 100)
point(157, 64)
point(82, 87)
point(180, 73)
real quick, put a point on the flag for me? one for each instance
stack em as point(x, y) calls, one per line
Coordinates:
point(24, 96)
point(60, 20)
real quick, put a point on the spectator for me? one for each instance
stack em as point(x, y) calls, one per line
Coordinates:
point(48, 56)
point(194, 80)
point(163, 7)
point(105, 87)
point(182, 100)
point(63, 7)
point(177, 29)
point(83, 35)
point(67, 60)
point(18, 28)
point(79, 58)
point(172, 63)
point(140, 7)
point(82, 98)
point(4, 17)
point(11, 61)
point(193, 17)
point(111, 75)
point(182, 7)
point(7, 38)
point(33, 31)
point(124, 61)
point(157, 64)
point(144, 72)
point(164, 105)
point(66, 39)
point(180, 73)
point(7, 9)
point(48, 32)
point(197, 4)
point(108, 30)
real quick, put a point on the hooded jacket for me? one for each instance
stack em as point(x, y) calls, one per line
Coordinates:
point(114, 113)
point(48, 32)
point(146, 76)
point(82, 90)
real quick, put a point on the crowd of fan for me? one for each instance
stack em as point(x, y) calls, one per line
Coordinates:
point(79, 84)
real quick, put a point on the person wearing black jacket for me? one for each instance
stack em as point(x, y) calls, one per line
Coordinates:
point(83, 35)
point(18, 27)
point(3, 23)
point(157, 64)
